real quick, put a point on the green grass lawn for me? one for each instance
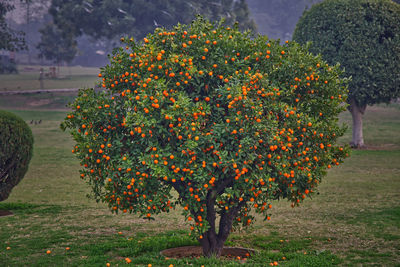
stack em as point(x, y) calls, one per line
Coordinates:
point(68, 77)
point(353, 221)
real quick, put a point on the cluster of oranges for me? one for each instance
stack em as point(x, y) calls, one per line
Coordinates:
point(228, 122)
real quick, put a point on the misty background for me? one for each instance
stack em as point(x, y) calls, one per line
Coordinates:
point(274, 18)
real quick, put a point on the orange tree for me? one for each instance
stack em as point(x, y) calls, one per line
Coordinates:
point(228, 122)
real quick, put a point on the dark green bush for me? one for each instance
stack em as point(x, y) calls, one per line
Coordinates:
point(16, 147)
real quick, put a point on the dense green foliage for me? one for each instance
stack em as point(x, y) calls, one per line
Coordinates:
point(9, 38)
point(108, 19)
point(16, 146)
point(364, 36)
point(229, 122)
point(56, 46)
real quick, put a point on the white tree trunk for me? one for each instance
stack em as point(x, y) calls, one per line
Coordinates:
point(357, 112)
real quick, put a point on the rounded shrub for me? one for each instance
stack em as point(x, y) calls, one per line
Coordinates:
point(16, 147)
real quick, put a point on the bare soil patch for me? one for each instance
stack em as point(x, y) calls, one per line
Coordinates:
point(40, 102)
point(196, 251)
point(5, 213)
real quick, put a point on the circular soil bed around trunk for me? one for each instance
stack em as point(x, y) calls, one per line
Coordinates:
point(197, 251)
point(5, 213)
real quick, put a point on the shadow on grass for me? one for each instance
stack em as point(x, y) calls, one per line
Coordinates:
point(26, 208)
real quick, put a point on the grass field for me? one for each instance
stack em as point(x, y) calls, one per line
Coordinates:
point(353, 221)
point(68, 77)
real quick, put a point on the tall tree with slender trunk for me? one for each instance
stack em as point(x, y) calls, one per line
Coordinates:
point(364, 36)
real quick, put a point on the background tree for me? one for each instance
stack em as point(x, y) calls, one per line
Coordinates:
point(364, 36)
point(278, 18)
point(242, 16)
point(228, 122)
point(56, 46)
point(34, 11)
point(110, 19)
point(9, 39)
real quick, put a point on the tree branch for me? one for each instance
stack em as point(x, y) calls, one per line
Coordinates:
point(225, 183)
point(226, 221)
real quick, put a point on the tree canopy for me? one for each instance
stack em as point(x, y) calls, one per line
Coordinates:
point(108, 19)
point(364, 36)
point(229, 122)
point(56, 46)
point(9, 39)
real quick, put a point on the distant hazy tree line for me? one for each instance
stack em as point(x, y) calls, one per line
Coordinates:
point(277, 18)
point(108, 20)
point(9, 39)
point(80, 27)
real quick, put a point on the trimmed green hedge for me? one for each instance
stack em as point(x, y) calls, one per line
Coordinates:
point(16, 147)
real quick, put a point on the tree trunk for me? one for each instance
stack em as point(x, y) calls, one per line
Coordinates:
point(27, 34)
point(211, 246)
point(357, 112)
point(211, 242)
